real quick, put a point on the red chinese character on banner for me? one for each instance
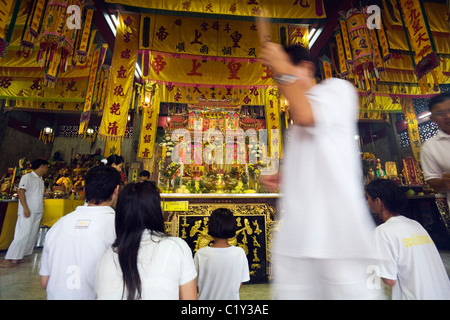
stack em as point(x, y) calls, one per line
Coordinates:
point(158, 64)
point(115, 109)
point(421, 38)
point(196, 37)
point(5, 82)
point(267, 73)
point(236, 37)
point(126, 37)
point(128, 21)
point(121, 72)
point(414, 15)
point(118, 91)
point(209, 7)
point(125, 54)
point(147, 138)
point(162, 33)
point(301, 3)
point(146, 152)
point(112, 128)
point(195, 66)
point(234, 69)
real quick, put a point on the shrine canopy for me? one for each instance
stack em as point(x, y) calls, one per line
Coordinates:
point(281, 9)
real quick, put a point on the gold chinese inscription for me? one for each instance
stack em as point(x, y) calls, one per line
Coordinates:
point(255, 227)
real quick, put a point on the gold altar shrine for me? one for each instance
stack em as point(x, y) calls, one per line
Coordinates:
point(187, 216)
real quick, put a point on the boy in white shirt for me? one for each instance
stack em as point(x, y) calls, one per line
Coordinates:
point(221, 268)
point(75, 244)
point(411, 263)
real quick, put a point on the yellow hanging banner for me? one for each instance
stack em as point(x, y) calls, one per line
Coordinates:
point(149, 125)
point(284, 9)
point(206, 73)
point(5, 11)
point(115, 113)
point(97, 62)
point(298, 35)
point(427, 68)
point(204, 37)
point(413, 127)
point(236, 96)
point(347, 48)
point(112, 146)
point(272, 111)
point(341, 55)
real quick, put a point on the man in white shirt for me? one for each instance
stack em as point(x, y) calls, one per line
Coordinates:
point(435, 153)
point(29, 214)
point(324, 245)
point(75, 244)
point(411, 263)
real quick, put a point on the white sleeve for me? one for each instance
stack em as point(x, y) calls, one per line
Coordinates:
point(188, 270)
point(388, 263)
point(24, 182)
point(44, 270)
point(430, 167)
point(245, 270)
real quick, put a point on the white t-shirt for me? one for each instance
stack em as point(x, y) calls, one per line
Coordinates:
point(72, 249)
point(221, 272)
point(164, 264)
point(411, 258)
point(34, 186)
point(323, 210)
point(435, 158)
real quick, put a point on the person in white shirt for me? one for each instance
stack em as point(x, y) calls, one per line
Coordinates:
point(435, 154)
point(77, 241)
point(324, 245)
point(144, 263)
point(29, 214)
point(410, 263)
point(221, 268)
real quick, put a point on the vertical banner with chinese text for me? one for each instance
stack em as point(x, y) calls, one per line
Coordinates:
point(97, 62)
point(149, 125)
point(272, 111)
point(413, 127)
point(427, 63)
point(120, 90)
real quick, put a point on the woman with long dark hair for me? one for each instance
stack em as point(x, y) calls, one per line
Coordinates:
point(144, 261)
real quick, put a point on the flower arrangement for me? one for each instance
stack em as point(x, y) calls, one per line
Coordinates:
point(368, 161)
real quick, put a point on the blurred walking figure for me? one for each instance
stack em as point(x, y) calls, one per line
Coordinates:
point(324, 244)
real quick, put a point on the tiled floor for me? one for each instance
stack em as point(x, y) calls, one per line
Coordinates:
point(23, 283)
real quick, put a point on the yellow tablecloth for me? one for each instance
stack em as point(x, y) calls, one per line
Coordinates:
point(53, 210)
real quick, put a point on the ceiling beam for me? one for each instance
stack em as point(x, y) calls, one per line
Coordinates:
point(332, 10)
point(101, 23)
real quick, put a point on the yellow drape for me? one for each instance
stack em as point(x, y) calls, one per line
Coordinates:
point(120, 88)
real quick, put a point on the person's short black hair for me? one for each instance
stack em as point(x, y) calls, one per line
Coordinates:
point(222, 224)
point(144, 173)
point(389, 193)
point(114, 159)
point(438, 99)
point(100, 183)
point(35, 164)
point(298, 53)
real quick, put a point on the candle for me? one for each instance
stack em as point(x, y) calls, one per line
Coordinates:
point(13, 178)
point(164, 151)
